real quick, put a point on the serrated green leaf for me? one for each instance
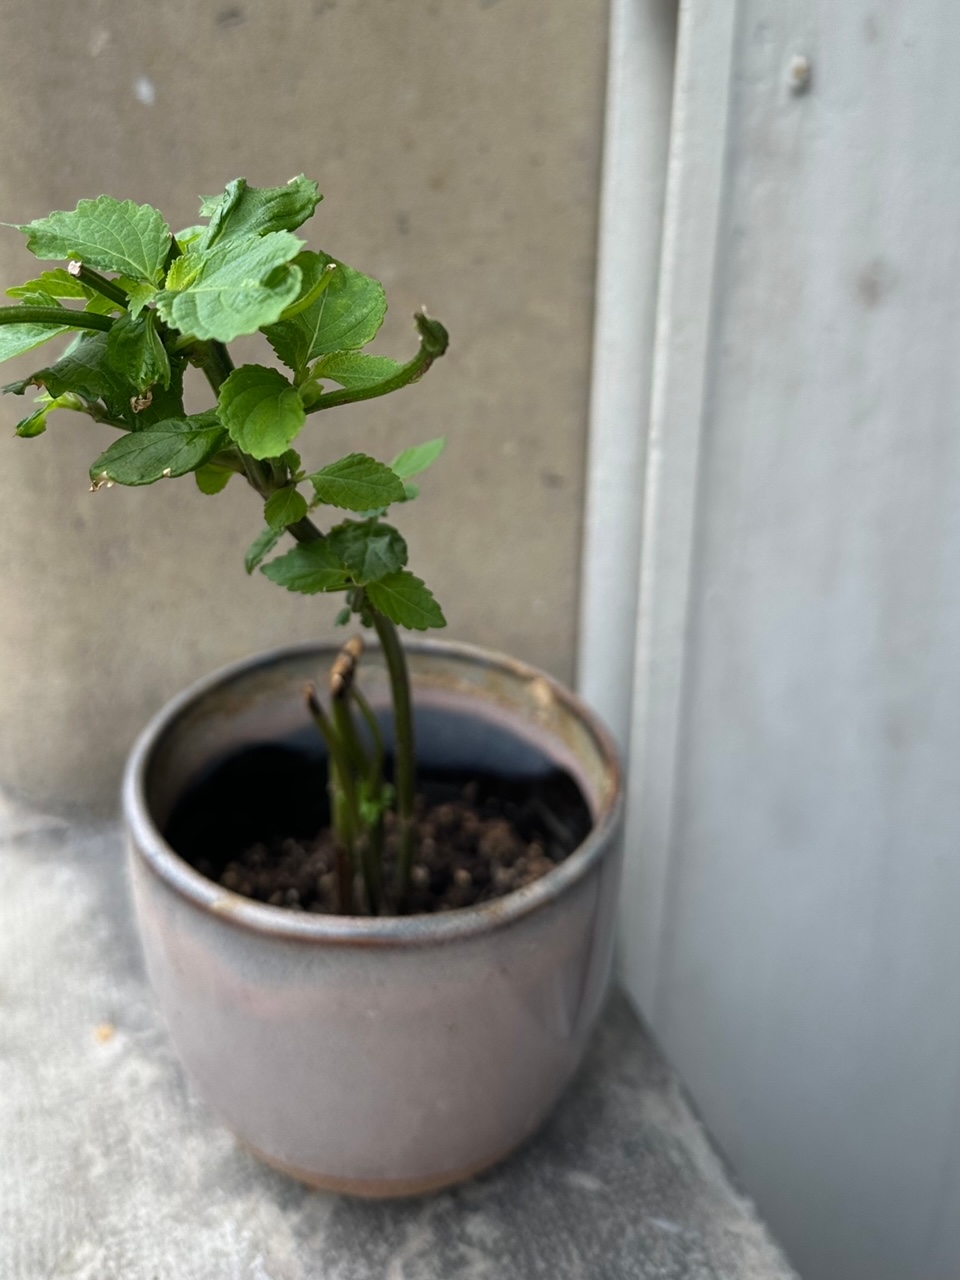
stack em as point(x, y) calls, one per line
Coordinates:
point(190, 235)
point(292, 461)
point(56, 284)
point(60, 284)
point(109, 234)
point(212, 478)
point(261, 546)
point(86, 369)
point(308, 569)
point(368, 548)
point(412, 461)
point(17, 339)
point(255, 211)
point(159, 451)
point(261, 410)
point(100, 305)
point(284, 507)
point(209, 206)
point(357, 483)
point(139, 294)
point(232, 289)
point(134, 349)
point(347, 314)
point(353, 370)
point(404, 598)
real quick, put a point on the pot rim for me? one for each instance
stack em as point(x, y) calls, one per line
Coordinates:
point(364, 931)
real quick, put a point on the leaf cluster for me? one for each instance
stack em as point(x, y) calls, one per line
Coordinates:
point(143, 302)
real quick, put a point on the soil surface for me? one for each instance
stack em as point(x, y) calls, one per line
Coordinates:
point(258, 826)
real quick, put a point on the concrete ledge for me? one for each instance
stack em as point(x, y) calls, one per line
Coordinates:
point(112, 1170)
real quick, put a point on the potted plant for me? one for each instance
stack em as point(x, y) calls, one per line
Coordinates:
point(380, 969)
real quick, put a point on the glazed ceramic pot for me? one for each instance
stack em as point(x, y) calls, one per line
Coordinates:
point(385, 1056)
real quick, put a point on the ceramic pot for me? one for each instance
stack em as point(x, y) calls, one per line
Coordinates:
point(386, 1056)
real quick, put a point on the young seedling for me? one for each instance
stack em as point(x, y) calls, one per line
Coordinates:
point(143, 304)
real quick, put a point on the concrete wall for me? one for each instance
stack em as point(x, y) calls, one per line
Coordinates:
point(792, 910)
point(458, 147)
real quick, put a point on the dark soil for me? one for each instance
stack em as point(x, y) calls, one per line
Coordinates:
point(258, 826)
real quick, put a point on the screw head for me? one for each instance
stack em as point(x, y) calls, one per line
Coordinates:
point(799, 73)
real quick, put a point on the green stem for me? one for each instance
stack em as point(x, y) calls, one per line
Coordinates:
point(343, 797)
point(375, 774)
point(433, 343)
point(213, 359)
point(377, 737)
point(356, 762)
point(61, 317)
point(403, 747)
point(108, 288)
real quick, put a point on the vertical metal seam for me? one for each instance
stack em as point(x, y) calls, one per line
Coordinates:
point(682, 348)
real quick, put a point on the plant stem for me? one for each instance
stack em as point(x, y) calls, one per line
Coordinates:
point(374, 728)
point(60, 317)
point(213, 359)
point(343, 800)
point(433, 343)
point(403, 747)
point(108, 288)
point(356, 762)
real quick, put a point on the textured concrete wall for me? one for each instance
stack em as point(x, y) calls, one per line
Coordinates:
point(458, 146)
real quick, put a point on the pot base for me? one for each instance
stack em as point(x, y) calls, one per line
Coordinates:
point(377, 1188)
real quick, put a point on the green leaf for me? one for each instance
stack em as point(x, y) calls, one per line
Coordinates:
point(311, 287)
point(134, 348)
point(60, 284)
point(346, 315)
point(208, 206)
point(160, 450)
point(139, 294)
point(261, 546)
point(369, 549)
point(358, 483)
point(353, 370)
point(86, 369)
point(190, 235)
point(284, 507)
point(406, 600)
point(16, 339)
point(308, 569)
point(109, 234)
point(212, 478)
point(255, 211)
point(35, 424)
point(412, 461)
point(233, 288)
point(56, 284)
point(261, 410)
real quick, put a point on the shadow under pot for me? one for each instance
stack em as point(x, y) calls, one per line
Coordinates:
point(375, 1056)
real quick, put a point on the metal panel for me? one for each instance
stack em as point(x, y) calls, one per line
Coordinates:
point(636, 136)
point(801, 971)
